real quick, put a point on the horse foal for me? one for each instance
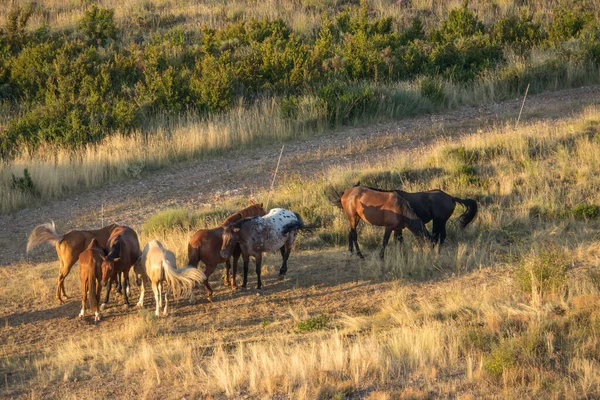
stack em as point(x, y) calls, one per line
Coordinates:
point(90, 273)
point(158, 265)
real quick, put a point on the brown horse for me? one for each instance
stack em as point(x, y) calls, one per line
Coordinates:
point(206, 244)
point(387, 209)
point(123, 248)
point(90, 274)
point(437, 206)
point(68, 247)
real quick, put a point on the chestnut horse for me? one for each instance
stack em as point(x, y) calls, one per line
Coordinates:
point(437, 206)
point(375, 207)
point(123, 248)
point(158, 265)
point(276, 230)
point(68, 247)
point(90, 274)
point(206, 244)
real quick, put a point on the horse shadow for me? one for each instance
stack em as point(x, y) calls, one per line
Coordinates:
point(67, 310)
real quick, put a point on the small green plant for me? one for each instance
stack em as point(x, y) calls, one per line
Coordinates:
point(24, 184)
point(98, 25)
point(169, 219)
point(467, 170)
point(433, 90)
point(543, 271)
point(586, 211)
point(312, 324)
point(503, 356)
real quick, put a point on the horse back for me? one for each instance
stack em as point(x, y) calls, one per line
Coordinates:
point(130, 250)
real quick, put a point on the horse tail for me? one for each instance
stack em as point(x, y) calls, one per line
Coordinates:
point(411, 220)
point(468, 216)
point(297, 225)
point(182, 280)
point(92, 291)
point(333, 196)
point(43, 233)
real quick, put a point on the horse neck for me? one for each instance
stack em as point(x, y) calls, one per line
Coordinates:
point(232, 219)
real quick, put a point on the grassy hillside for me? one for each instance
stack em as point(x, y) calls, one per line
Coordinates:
point(509, 308)
point(102, 93)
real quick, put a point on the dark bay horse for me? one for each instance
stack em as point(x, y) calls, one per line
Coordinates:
point(275, 231)
point(123, 251)
point(375, 207)
point(90, 274)
point(68, 247)
point(437, 206)
point(206, 244)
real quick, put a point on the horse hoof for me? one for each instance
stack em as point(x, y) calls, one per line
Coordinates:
point(235, 287)
point(103, 307)
point(126, 306)
point(140, 305)
point(60, 302)
point(281, 277)
point(209, 299)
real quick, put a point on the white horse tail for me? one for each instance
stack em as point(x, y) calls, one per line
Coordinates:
point(43, 233)
point(182, 280)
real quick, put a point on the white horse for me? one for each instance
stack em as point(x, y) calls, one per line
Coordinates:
point(157, 265)
point(275, 231)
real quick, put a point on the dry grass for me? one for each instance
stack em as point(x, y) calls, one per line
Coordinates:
point(457, 323)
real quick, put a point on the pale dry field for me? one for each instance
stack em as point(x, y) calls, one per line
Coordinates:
point(508, 309)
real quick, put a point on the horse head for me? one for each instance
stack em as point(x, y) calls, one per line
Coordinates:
point(230, 239)
point(108, 261)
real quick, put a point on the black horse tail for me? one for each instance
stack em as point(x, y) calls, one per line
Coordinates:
point(469, 215)
point(333, 196)
point(297, 225)
point(411, 220)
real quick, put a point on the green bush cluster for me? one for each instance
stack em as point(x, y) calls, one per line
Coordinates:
point(78, 85)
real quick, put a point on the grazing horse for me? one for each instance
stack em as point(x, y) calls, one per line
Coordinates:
point(437, 206)
point(90, 274)
point(206, 244)
point(387, 209)
point(275, 231)
point(123, 248)
point(157, 265)
point(68, 247)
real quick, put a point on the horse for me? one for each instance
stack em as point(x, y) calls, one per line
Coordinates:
point(90, 274)
point(437, 206)
point(276, 230)
point(157, 265)
point(68, 247)
point(123, 248)
point(206, 244)
point(379, 208)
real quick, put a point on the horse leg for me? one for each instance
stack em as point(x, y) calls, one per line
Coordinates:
point(226, 280)
point(398, 236)
point(258, 261)
point(208, 271)
point(438, 227)
point(125, 278)
point(157, 294)
point(236, 258)
point(166, 309)
point(108, 287)
point(350, 241)
point(355, 239)
point(140, 302)
point(246, 262)
point(119, 279)
point(386, 239)
point(65, 268)
point(84, 290)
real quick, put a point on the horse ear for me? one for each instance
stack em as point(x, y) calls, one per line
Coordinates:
point(103, 257)
point(261, 205)
point(236, 230)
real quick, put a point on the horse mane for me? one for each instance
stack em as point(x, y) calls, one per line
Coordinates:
point(241, 222)
point(240, 214)
point(411, 220)
point(115, 248)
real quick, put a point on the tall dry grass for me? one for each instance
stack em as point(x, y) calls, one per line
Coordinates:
point(474, 319)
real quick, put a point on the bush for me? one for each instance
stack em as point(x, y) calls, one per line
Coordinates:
point(518, 31)
point(344, 103)
point(586, 211)
point(25, 184)
point(543, 271)
point(97, 24)
point(433, 90)
point(312, 324)
point(169, 219)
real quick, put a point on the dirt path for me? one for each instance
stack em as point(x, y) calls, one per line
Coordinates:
point(241, 172)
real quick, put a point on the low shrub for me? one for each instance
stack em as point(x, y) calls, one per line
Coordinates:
point(543, 271)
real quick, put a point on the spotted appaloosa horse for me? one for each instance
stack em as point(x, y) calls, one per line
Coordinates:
point(68, 247)
point(275, 231)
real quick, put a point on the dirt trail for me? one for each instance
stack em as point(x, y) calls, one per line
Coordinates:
point(242, 172)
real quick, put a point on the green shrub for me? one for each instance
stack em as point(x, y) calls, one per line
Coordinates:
point(586, 211)
point(24, 184)
point(344, 103)
point(97, 24)
point(518, 31)
point(312, 324)
point(543, 271)
point(433, 90)
point(169, 219)
point(567, 23)
point(503, 356)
